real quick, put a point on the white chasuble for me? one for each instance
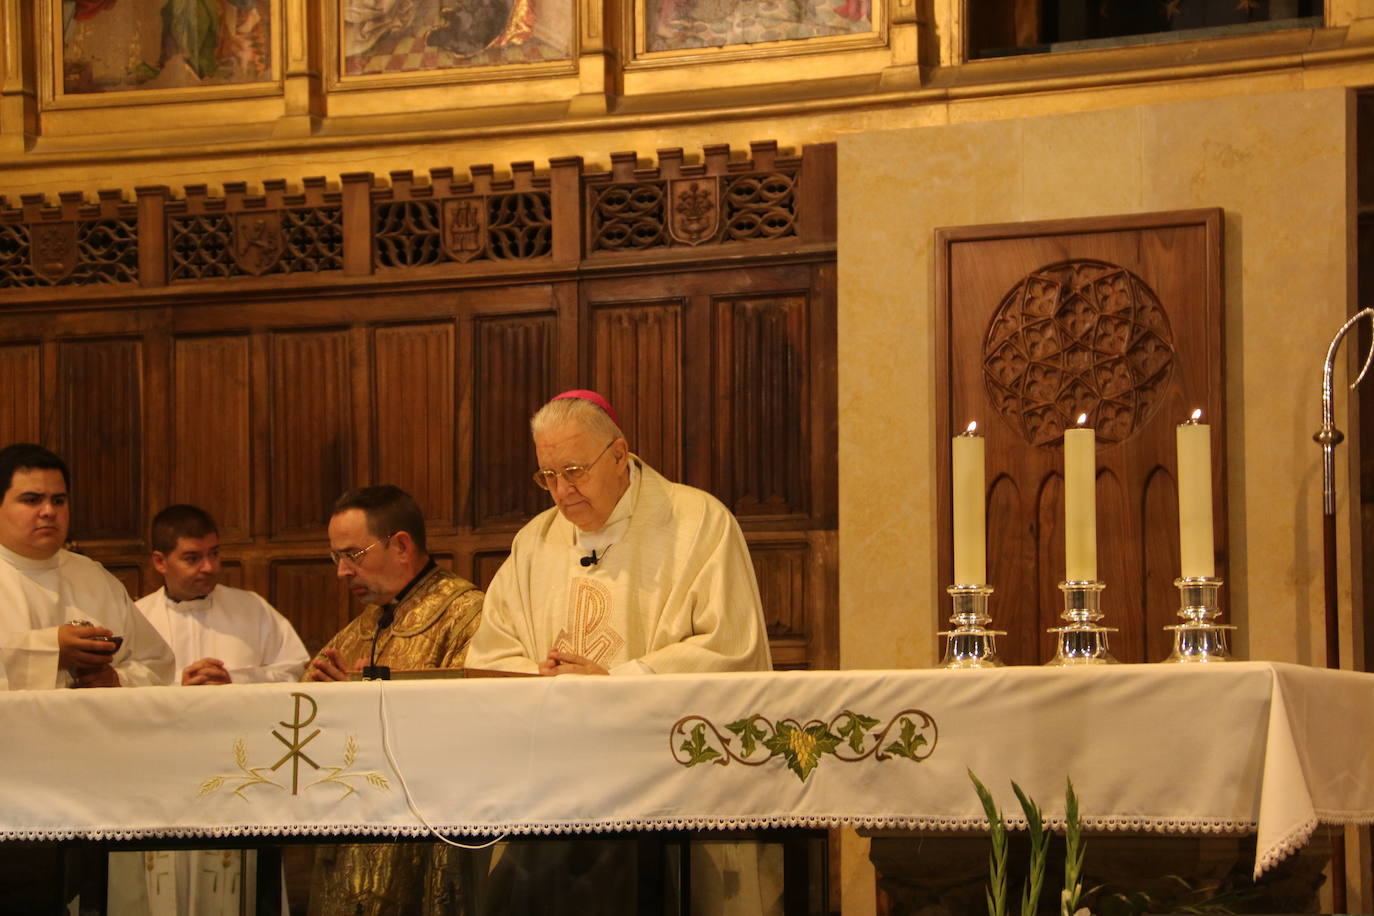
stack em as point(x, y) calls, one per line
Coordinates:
point(672, 589)
point(38, 596)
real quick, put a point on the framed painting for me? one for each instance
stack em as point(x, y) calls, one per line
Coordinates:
point(676, 25)
point(408, 36)
point(124, 45)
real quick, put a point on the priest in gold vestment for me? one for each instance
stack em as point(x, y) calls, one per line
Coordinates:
point(416, 615)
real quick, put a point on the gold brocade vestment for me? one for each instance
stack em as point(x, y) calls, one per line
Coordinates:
point(431, 629)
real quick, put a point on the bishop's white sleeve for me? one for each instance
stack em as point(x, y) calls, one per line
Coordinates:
point(498, 644)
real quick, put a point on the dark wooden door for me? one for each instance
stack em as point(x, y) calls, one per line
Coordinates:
point(1120, 318)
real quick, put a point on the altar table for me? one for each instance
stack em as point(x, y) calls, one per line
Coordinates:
point(1272, 749)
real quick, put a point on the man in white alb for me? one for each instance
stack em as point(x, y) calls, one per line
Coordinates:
point(64, 620)
point(220, 635)
point(628, 573)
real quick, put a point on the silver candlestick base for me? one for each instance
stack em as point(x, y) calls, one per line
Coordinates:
point(1082, 640)
point(1199, 638)
point(970, 644)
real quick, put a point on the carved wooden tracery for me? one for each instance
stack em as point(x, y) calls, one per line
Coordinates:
point(234, 350)
point(1077, 338)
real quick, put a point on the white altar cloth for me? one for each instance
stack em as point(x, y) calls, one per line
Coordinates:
point(1243, 747)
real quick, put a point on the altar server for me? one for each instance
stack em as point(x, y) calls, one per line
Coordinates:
point(45, 588)
point(416, 615)
point(627, 573)
point(219, 634)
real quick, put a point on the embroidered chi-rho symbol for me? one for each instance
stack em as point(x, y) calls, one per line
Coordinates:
point(304, 713)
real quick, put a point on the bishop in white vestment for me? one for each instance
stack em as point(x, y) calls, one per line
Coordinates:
point(628, 573)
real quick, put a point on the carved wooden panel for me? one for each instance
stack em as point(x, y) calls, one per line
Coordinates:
point(414, 393)
point(21, 387)
point(131, 577)
point(101, 417)
point(637, 351)
point(309, 594)
point(284, 343)
point(211, 454)
point(762, 401)
point(1119, 318)
point(231, 573)
point(312, 440)
point(513, 375)
point(485, 563)
point(781, 572)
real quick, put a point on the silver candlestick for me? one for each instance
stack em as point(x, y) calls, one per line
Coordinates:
point(1082, 640)
point(1199, 638)
point(970, 644)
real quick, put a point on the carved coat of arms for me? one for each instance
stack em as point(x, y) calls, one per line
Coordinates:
point(694, 216)
point(465, 228)
point(52, 250)
point(258, 240)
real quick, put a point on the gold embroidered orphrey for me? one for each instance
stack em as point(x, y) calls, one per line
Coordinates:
point(52, 250)
point(587, 632)
point(258, 240)
point(464, 227)
point(325, 774)
point(695, 215)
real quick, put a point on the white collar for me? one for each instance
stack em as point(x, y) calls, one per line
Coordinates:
point(190, 605)
point(28, 564)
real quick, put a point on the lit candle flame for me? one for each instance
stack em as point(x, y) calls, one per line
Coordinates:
point(1197, 415)
point(972, 428)
point(1082, 418)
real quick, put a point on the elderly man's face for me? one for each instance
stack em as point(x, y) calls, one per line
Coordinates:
point(370, 565)
point(34, 514)
point(590, 501)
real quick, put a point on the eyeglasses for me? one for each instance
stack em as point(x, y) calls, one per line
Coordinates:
point(353, 556)
point(573, 473)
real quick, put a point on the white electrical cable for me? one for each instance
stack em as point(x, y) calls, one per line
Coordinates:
point(405, 789)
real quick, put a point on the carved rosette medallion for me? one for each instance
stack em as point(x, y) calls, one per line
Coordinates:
point(258, 241)
point(52, 250)
point(464, 226)
point(1075, 337)
point(695, 215)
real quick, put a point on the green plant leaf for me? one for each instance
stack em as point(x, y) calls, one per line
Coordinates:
point(855, 729)
point(802, 747)
point(909, 744)
point(749, 734)
point(697, 750)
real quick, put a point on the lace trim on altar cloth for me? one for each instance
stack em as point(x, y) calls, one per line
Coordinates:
point(818, 822)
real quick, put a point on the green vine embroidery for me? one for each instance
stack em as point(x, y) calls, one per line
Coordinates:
point(849, 737)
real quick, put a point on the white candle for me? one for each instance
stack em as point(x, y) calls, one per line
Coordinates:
point(1080, 503)
point(970, 519)
point(1195, 498)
